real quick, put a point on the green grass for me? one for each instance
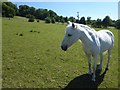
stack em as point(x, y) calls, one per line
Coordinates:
point(35, 59)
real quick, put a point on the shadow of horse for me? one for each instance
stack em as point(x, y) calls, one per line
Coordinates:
point(84, 81)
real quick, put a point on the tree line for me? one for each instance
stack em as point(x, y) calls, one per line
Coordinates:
point(49, 16)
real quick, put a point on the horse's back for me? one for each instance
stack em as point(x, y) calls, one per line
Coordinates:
point(106, 38)
point(106, 33)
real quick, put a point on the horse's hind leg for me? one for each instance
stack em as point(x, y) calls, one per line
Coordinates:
point(109, 56)
point(94, 67)
point(101, 59)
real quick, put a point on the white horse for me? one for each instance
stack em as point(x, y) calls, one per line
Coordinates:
point(94, 43)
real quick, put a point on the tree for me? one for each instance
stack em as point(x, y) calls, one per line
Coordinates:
point(7, 11)
point(53, 20)
point(77, 21)
point(10, 4)
point(23, 10)
point(57, 19)
point(42, 14)
point(38, 13)
point(88, 20)
point(65, 19)
point(13, 6)
point(52, 14)
point(72, 19)
point(98, 23)
point(82, 20)
point(113, 23)
point(106, 22)
point(93, 23)
point(117, 24)
point(32, 11)
point(62, 21)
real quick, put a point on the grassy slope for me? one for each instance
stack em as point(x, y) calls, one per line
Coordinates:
point(36, 59)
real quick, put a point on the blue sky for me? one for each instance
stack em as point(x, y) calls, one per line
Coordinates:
point(93, 9)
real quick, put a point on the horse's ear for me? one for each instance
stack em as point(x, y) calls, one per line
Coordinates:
point(69, 22)
point(73, 25)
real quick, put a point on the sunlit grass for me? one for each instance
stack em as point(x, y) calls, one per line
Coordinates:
point(35, 59)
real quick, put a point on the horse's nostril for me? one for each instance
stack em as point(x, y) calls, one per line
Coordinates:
point(64, 48)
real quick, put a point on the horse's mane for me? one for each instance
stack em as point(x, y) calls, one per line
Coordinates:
point(86, 27)
point(90, 31)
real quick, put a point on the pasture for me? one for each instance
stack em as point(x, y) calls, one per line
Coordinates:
point(32, 58)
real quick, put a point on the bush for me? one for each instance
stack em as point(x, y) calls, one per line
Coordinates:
point(38, 20)
point(53, 20)
point(48, 20)
point(31, 30)
point(62, 21)
point(20, 34)
point(98, 23)
point(10, 15)
point(117, 24)
point(31, 19)
point(28, 16)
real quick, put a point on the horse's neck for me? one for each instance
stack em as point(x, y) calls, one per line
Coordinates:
point(86, 38)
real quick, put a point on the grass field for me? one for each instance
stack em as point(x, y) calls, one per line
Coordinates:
point(32, 58)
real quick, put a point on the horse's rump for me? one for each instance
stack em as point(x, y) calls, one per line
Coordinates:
point(106, 38)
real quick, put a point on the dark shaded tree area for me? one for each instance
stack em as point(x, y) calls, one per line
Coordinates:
point(106, 22)
point(82, 20)
point(117, 24)
point(10, 10)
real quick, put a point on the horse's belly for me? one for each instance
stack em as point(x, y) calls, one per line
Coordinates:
point(92, 50)
point(105, 45)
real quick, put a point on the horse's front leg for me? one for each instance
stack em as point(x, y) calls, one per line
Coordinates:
point(94, 66)
point(89, 64)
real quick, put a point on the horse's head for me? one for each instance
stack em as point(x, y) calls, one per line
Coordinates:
point(71, 35)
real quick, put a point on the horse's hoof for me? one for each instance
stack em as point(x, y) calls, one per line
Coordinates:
point(99, 69)
point(90, 73)
point(93, 79)
point(106, 69)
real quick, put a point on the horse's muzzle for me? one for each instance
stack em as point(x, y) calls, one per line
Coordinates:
point(64, 48)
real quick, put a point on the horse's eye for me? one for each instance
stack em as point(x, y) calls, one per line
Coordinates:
point(69, 35)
